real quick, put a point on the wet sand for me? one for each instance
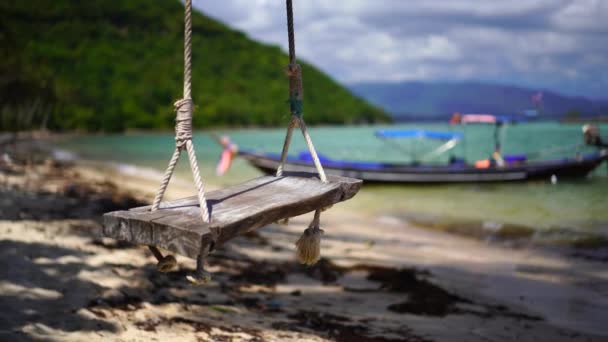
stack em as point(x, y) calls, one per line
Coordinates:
point(380, 279)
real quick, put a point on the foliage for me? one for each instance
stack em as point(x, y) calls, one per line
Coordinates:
point(108, 65)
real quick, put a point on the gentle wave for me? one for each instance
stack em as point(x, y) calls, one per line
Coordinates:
point(592, 238)
point(63, 155)
point(134, 170)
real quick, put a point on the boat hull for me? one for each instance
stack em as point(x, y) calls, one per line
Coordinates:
point(403, 173)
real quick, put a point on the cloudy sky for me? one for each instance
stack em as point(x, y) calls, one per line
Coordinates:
point(560, 45)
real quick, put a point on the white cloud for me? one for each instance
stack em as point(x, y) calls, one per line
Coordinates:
point(558, 44)
point(583, 15)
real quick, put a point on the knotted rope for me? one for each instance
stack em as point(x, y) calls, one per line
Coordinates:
point(296, 89)
point(183, 136)
point(296, 95)
point(309, 243)
point(183, 124)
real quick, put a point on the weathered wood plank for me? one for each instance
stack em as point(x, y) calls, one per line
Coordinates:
point(178, 227)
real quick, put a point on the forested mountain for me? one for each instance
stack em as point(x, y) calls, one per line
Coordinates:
point(107, 65)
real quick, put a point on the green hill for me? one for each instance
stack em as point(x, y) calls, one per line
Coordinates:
point(109, 65)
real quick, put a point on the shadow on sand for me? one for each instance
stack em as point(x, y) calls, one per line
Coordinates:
point(43, 292)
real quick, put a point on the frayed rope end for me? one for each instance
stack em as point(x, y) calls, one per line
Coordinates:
point(309, 246)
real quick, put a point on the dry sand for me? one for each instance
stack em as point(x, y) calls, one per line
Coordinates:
point(381, 279)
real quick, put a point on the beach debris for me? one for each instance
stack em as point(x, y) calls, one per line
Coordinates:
point(125, 300)
point(553, 179)
point(6, 158)
point(259, 273)
point(275, 305)
point(326, 271)
point(342, 328)
point(424, 297)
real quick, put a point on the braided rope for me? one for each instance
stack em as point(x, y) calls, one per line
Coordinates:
point(292, 123)
point(198, 181)
point(188, 49)
point(290, 33)
point(296, 94)
point(166, 178)
point(313, 152)
point(308, 245)
point(183, 122)
point(296, 89)
point(316, 220)
point(183, 125)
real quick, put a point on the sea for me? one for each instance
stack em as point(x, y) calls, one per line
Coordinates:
point(547, 210)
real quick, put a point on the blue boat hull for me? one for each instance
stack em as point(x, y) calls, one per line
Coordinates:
point(406, 173)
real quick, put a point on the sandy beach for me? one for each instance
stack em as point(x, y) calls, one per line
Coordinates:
point(380, 278)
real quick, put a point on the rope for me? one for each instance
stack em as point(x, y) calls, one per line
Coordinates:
point(292, 123)
point(198, 181)
point(290, 33)
point(313, 152)
point(183, 122)
point(183, 125)
point(296, 89)
point(296, 95)
point(316, 220)
point(308, 245)
point(166, 179)
point(188, 49)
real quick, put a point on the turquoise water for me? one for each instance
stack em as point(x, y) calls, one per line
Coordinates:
point(573, 205)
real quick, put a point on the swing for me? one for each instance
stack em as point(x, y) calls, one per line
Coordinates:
point(196, 225)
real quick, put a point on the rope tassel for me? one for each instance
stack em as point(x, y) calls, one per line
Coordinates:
point(309, 244)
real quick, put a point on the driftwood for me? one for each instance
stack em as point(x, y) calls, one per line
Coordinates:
point(177, 226)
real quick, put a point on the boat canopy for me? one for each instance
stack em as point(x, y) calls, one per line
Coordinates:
point(419, 133)
point(478, 118)
point(486, 119)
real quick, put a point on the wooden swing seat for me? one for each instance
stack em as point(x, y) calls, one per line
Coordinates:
point(177, 225)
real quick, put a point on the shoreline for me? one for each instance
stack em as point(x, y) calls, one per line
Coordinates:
point(572, 213)
point(483, 229)
point(380, 278)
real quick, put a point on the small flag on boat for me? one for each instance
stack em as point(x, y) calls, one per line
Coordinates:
point(537, 98)
point(226, 156)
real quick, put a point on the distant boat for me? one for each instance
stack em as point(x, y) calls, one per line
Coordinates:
point(497, 169)
point(452, 173)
